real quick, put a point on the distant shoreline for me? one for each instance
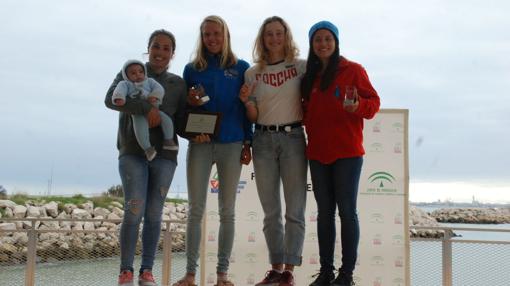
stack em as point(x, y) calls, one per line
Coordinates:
point(467, 213)
point(448, 204)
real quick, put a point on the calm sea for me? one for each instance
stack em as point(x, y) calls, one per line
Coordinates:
point(473, 263)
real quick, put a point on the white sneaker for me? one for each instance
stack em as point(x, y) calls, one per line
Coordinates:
point(170, 145)
point(150, 153)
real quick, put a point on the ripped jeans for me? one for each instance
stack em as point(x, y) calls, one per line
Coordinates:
point(145, 187)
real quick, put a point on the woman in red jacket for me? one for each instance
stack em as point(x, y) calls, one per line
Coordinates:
point(335, 151)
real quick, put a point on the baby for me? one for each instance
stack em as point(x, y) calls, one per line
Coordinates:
point(136, 84)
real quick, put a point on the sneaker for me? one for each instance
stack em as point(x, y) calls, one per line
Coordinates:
point(150, 153)
point(272, 279)
point(343, 279)
point(287, 279)
point(146, 279)
point(324, 278)
point(170, 145)
point(126, 278)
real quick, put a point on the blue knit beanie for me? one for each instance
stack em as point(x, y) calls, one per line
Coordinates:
point(323, 25)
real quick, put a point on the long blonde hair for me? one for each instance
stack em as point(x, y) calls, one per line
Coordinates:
point(228, 58)
point(260, 53)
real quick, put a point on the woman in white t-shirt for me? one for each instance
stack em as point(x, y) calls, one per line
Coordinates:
point(272, 98)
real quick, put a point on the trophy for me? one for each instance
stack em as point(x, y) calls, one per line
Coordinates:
point(201, 93)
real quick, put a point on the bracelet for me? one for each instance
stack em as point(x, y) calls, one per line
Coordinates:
point(249, 102)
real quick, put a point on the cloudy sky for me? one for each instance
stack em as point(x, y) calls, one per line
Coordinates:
point(448, 62)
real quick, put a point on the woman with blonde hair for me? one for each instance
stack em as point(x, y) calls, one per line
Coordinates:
point(216, 72)
point(273, 101)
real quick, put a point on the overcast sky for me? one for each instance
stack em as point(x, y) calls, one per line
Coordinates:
point(448, 62)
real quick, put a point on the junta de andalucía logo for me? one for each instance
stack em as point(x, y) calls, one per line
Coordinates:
point(381, 183)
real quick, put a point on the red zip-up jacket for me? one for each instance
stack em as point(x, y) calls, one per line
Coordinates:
point(334, 133)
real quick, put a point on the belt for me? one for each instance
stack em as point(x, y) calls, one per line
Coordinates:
point(278, 127)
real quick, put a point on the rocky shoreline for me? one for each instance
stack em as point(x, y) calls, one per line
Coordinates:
point(95, 235)
point(97, 232)
point(418, 217)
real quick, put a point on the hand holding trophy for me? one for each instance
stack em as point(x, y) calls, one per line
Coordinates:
point(197, 95)
point(351, 99)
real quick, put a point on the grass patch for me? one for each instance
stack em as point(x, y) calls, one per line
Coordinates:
point(99, 201)
point(19, 199)
point(104, 201)
point(176, 201)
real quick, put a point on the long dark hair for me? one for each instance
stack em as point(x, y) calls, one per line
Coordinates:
point(313, 68)
point(162, 32)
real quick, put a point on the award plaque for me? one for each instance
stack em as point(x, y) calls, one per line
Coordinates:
point(202, 122)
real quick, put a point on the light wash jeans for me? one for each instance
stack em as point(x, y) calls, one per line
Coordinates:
point(145, 187)
point(201, 157)
point(281, 155)
point(141, 128)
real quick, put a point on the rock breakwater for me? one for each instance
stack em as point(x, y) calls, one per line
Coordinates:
point(72, 231)
point(472, 215)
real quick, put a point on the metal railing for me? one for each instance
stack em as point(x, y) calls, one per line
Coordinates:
point(448, 260)
point(463, 261)
point(30, 252)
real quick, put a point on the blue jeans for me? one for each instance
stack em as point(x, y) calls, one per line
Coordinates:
point(145, 187)
point(336, 185)
point(141, 128)
point(201, 157)
point(281, 155)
